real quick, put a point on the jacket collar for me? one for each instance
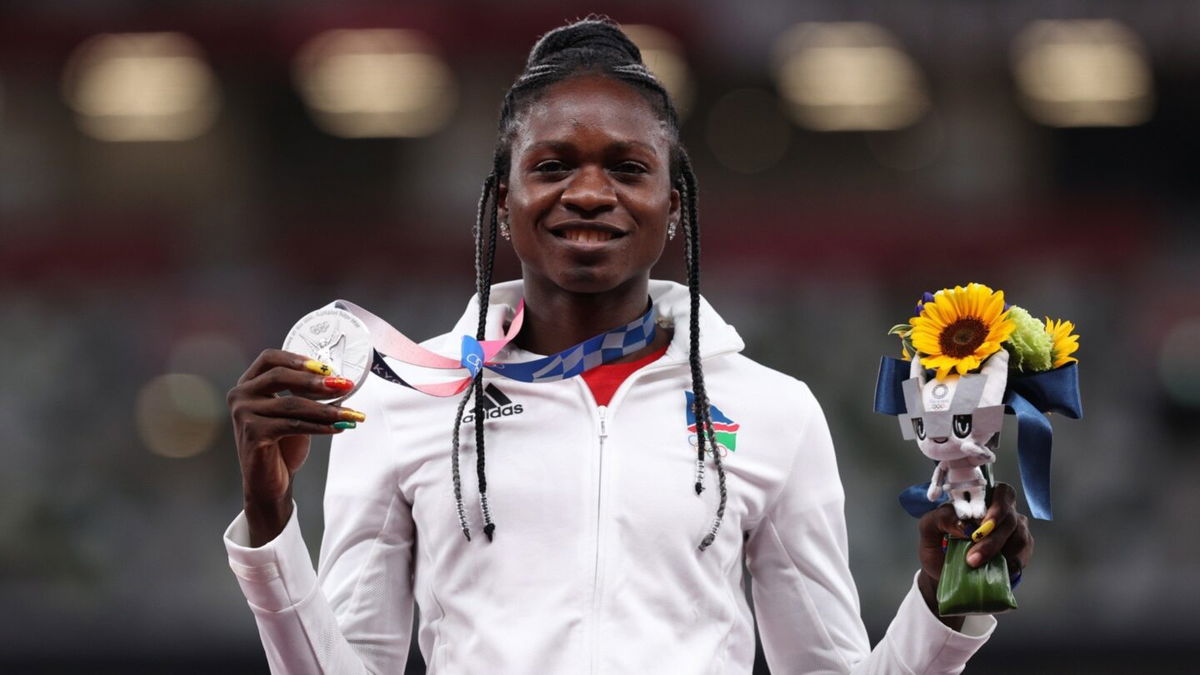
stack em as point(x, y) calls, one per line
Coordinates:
point(671, 305)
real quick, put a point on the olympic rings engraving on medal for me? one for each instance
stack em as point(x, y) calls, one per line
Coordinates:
point(336, 338)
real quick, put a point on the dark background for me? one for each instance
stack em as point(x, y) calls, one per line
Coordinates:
point(138, 279)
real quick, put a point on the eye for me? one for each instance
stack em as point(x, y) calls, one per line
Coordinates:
point(919, 427)
point(631, 167)
point(962, 425)
point(550, 166)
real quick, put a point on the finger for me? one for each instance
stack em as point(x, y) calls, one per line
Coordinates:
point(933, 528)
point(986, 547)
point(997, 527)
point(1003, 494)
point(942, 520)
point(260, 433)
point(1018, 550)
point(274, 358)
point(1003, 501)
point(275, 428)
point(301, 383)
point(303, 408)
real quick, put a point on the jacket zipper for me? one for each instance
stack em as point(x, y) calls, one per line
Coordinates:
point(602, 413)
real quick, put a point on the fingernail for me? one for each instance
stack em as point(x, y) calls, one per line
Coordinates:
point(973, 559)
point(984, 530)
point(317, 367)
point(352, 415)
point(338, 383)
point(344, 425)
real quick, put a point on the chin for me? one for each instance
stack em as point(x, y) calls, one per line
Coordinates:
point(588, 279)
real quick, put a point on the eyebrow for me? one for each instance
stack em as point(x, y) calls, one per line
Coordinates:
point(561, 146)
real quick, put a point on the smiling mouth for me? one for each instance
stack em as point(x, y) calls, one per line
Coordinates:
point(586, 235)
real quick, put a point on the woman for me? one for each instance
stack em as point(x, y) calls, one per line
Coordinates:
point(604, 551)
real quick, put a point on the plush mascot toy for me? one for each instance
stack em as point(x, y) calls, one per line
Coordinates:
point(956, 422)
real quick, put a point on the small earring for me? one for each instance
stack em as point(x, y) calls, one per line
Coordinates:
point(671, 229)
point(504, 230)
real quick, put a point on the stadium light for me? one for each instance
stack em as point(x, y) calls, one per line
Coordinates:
point(1075, 73)
point(848, 76)
point(375, 83)
point(140, 87)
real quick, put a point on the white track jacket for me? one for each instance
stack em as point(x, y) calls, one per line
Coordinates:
point(595, 566)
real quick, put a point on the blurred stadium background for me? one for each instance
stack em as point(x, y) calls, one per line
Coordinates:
point(180, 181)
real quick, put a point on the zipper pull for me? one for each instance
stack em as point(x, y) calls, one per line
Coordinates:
point(603, 410)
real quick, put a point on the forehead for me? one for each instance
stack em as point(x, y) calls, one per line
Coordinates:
point(590, 109)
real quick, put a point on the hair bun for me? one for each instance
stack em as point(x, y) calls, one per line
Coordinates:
point(595, 33)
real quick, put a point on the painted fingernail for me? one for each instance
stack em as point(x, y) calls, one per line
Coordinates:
point(984, 530)
point(352, 415)
point(344, 425)
point(317, 367)
point(338, 383)
point(974, 558)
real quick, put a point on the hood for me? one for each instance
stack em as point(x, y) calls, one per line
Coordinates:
point(671, 306)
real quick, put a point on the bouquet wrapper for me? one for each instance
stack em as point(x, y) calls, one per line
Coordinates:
point(965, 590)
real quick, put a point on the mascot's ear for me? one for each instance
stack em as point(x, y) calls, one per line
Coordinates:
point(996, 370)
point(916, 371)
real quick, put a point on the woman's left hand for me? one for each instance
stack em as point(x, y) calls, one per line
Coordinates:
point(1003, 530)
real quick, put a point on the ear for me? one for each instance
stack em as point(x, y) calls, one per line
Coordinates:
point(996, 370)
point(673, 215)
point(916, 371)
point(502, 199)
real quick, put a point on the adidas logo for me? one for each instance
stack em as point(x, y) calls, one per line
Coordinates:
point(495, 404)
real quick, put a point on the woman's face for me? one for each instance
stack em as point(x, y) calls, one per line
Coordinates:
point(588, 194)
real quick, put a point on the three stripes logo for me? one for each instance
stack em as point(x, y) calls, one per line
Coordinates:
point(495, 405)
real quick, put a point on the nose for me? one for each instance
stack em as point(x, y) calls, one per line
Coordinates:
point(590, 191)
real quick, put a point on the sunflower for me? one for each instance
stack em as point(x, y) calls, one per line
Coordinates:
point(1065, 343)
point(960, 328)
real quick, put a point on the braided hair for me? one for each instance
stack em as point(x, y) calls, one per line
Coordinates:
point(595, 45)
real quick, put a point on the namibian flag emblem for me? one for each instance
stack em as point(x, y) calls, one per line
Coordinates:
point(724, 428)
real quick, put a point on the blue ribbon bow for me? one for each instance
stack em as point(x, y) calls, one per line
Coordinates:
point(1027, 397)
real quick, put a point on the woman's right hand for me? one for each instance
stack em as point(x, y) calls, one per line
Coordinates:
point(272, 432)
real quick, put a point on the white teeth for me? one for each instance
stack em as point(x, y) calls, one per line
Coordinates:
point(586, 235)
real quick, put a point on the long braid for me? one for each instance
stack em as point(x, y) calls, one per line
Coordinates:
point(484, 283)
point(705, 434)
point(458, 500)
point(691, 248)
point(485, 198)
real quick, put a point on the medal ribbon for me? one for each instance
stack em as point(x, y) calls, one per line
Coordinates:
point(476, 355)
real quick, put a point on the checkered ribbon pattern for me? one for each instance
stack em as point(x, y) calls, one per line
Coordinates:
point(476, 354)
point(584, 356)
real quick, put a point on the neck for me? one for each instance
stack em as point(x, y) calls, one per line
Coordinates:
point(556, 319)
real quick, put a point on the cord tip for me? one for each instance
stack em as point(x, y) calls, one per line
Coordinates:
point(708, 540)
point(699, 487)
point(489, 529)
point(467, 534)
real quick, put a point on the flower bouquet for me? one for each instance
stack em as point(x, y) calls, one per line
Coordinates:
point(967, 358)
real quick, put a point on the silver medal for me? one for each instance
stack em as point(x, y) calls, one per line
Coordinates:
point(336, 338)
